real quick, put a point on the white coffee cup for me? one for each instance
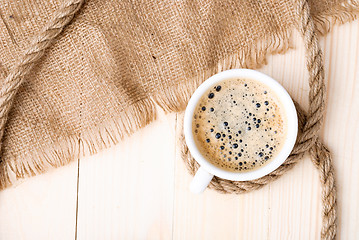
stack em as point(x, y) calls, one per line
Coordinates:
point(207, 170)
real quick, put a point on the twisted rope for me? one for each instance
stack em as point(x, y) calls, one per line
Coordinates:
point(322, 160)
point(31, 56)
point(307, 141)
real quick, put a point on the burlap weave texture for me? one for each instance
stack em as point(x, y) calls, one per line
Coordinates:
point(102, 77)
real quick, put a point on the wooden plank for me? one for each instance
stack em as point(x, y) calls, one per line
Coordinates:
point(342, 121)
point(126, 192)
point(216, 216)
point(294, 199)
point(42, 207)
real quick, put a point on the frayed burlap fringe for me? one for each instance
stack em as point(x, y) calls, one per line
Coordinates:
point(344, 13)
point(175, 99)
point(90, 142)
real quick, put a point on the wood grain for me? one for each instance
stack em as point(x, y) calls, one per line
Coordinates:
point(139, 188)
point(127, 192)
point(42, 207)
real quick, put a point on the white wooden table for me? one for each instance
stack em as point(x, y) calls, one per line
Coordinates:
point(139, 188)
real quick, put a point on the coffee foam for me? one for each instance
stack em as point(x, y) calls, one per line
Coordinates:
point(239, 125)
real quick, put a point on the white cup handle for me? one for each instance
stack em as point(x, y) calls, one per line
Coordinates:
point(200, 181)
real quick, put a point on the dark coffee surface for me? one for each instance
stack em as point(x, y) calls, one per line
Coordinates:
point(239, 125)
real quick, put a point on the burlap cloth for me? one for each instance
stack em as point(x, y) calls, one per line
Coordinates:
point(66, 92)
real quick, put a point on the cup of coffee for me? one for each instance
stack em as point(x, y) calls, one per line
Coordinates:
point(239, 125)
